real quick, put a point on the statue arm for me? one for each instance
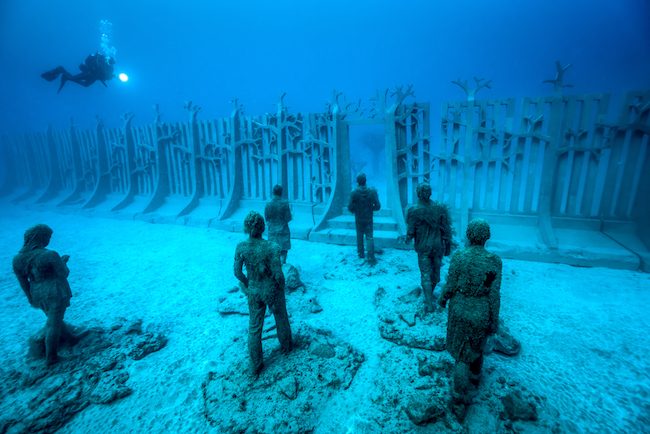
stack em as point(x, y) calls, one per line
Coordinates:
point(495, 297)
point(452, 281)
point(376, 206)
point(276, 266)
point(287, 214)
point(410, 229)
point(445, 227)
point(238, 267)
point(24, 283)
point(351, 206)
point(58, 263)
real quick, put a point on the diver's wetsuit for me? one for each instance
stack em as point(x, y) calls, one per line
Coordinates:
point(96, 67)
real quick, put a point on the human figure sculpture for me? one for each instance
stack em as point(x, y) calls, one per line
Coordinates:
point(42, 275)
point(429, 223)
point(278, 215)
point(264, 286)
point(363, 202)
point(473, 290)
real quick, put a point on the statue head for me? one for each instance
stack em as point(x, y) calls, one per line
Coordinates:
point(254, 224)
point(277, 190)
point(478, 232)
point(361, 178)
point(423, 191)
point(37, 237)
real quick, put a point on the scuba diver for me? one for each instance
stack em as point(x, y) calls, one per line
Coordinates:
point(97, 66)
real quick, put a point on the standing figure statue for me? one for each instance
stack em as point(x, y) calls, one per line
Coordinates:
point(473, 290)
point(264, 286)
point(429, 223)
point(363, 202)
point(43, 276)
point(278, 215)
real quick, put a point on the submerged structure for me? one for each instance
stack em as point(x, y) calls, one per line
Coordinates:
point(557, 180)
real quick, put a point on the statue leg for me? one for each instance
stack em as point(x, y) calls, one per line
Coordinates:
point(53, 328)
point(436, 264)
point(255, 325)
point(427, 285)
point(459, 398)
point(282, 322)
point(360, 248)
point(461, 378)
point(370, 241)
point(70, 337)
point(475, 370)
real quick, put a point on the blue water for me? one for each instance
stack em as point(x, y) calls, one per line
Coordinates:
point(211, 52)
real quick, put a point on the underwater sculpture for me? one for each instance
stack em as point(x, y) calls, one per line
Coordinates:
point(278, 215)
point(473, 290)
point(429, 223)
point(363, 202)
point(43, 276)
point(264, 286)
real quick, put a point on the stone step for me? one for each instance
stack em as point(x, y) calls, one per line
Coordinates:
point(384, 212)
point(348, 237)
point(347, 222)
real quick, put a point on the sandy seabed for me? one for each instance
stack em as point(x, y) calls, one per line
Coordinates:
point(584, 331)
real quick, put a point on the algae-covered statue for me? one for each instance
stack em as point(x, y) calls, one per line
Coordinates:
point(43, 276)
point(429, 223)
point(363, 202)
point(263, 285)
point(473, 290)
point(278, 215)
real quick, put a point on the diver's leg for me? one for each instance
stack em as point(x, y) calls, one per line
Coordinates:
point(84, 79)
point(87, 81)
point(255, 325)
point(282, 322)
point(359, 228)
point(53, 328)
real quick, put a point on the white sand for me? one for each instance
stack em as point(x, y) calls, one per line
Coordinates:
point(584, 331)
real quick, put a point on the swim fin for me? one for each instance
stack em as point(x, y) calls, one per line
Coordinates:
point(53, 74)
point(64, 78)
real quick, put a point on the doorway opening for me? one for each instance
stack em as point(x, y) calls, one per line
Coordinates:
point(368, 155)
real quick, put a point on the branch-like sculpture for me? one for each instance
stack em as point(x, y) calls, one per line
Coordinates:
point(281, 121)
point(193, 110)
point(343, 108)
point(559, 79)
point(471, 92)
point(381, 106)
point(156, 119)
point(127, 118)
